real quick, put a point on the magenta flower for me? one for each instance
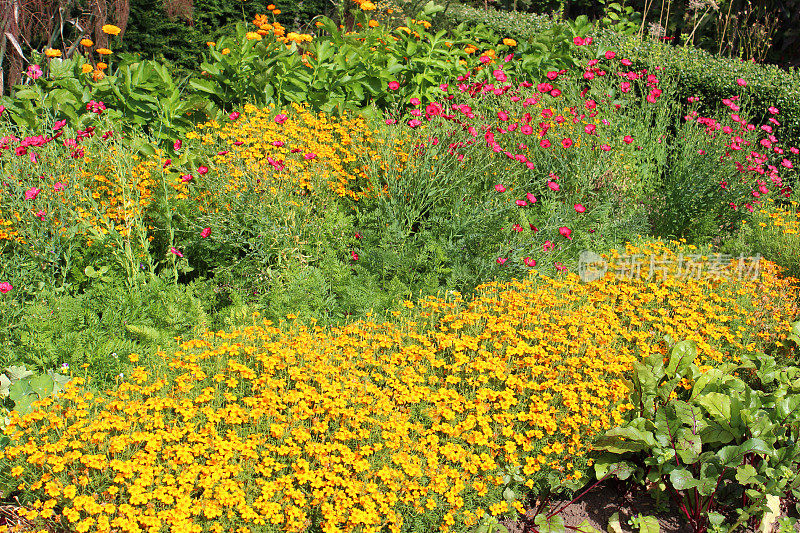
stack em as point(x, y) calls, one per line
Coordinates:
point(566, 143)
point(501, 260)
point(281, 118)
point(354, 255)
point(202, 170)
point(579, 208)
point(414, 122)
point(309, 156)
point(177, 145)
point(58, 186)
point(544, 143)
point(205, 233)
point(531, 198)
point(547, 246)
point(553, 186)
point(32, 193)
point(529, 262)
point(35, 72)
point(565, 232)
point(499, 188)
point(186, 178)
point(627, 139)
point(517, 228)
point(610, 55)
point(522, 203)
point(393, 85)
point(175, 251)
point(741, 82)
point(5, 287)
point(233, 116)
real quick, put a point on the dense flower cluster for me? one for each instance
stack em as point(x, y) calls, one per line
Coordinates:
point(363, 427)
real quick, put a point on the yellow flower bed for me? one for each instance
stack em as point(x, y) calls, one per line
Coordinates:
point(366, 426)
point(257, 145)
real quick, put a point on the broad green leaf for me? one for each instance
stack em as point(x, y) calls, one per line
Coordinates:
point(42, 385)
point(718, 406)
point(688, 445)
point(681, 357)
point(555, 524)
point(716, 433)
point(18, 372)
point(745, 474)
point(649, 524)
point(682, 479)
point(586, 527)
point(613, 524)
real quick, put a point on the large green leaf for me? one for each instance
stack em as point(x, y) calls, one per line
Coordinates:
point(681, 357)
point(682, 479)
point(718, 406)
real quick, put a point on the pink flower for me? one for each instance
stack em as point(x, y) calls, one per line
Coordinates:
point(58, 186)
point(167, 162)
point(555, 93)
point(590, 129)
point(177, 145)
point(175, 251)
point(186, 178)
point(565, 232)
point(233, 116)
point(205, 233)
point(526, 129)
point(499, 75)
point(33, 157)
point(517, 228)
point(773, 110)
point(553, 186)
point(741, 82)
point(414, 122)
point(32, 193)
point(390, 121)
point(559, 266)
point(40, 215)
point(625, 86)
point(627, 139)
point(610, 55)
point(531, 198)
point(605, 147)
point(578, 41)
point(502, 115)
point(626, 62)
point(566, 143)
point(443, 87)
point(544, 143)
point(309, 156)
point(522, 203)
point(499, 188)
point(485, 59)
point(415, 101)
point(353, 255)
point(202, 170)
point(59, 124)
point(786, 163)
point(547, 246)
point(579, 208)
point(5, 287)
point(35, 72)
point(281, 118)
point(529, 262)
point(393, 85)
point(552, 75)
point(501, 260)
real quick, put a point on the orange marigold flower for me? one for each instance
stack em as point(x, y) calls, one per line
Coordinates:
point(276, 11)
point(509, 42)
point(101, 65)
point(52, 52)
point(271, 7)
point(110, 29)
point(373, 23)
point(253, 36)
point(86, 68)
point(88, 43)
point(103, 51)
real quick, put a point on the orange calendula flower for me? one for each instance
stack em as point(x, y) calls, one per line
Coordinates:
point(103, 51)
point(373, 23)
point(226, 51)
point(253, 36)
point(101, 65)
point(88, 43)
point(211, 43)
point(276, 11)
point(509, 42)
point(368, 6)
point(86, 68)
point(97, 75)
point(271, 7)
point(52, 52)
point(110, 29)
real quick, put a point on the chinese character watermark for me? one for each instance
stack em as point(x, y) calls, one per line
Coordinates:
point(647, 267)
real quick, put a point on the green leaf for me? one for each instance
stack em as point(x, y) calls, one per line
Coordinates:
point(718, 406)
point(681, 357)
point(555, 524)
point(586, 527)
point(745, 474)
point(649, 524)
point(682, 479)
point(613, 524)
point(42, 385)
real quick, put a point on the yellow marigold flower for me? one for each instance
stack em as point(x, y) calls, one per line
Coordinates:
point(86, 68)
point(271, 7)
point(110, 29)
point(318, 24)
point(276, 11)
point(52, 52)
point(103, 51)
point(509, 42)
point(97, 75)
point(101, 65)
point(88, 43)
point(211, 44)
point(373, 23)
point(226, 51)
point(368, 6)
point(253, 36)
